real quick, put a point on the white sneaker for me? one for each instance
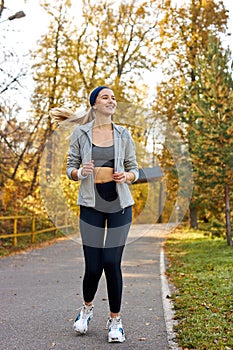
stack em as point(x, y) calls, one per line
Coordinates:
point(82, 321)
point(115, 330)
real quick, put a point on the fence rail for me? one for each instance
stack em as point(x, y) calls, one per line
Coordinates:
point(15, 234)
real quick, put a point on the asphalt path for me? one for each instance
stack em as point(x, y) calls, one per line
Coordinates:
point(41, 291)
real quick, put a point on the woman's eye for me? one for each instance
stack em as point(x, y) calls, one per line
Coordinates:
point(106, 98)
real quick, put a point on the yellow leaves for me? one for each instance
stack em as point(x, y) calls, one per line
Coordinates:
point(140, 12)
point(165, 4)
point(174, 45)
point(182, 82)
point(163, 24)
point(33, 204)
point(7, 193)
point(203, 3)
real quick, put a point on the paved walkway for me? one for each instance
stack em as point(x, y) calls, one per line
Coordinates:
point(41, 290)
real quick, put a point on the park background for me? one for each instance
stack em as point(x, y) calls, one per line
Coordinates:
point(170, 61)
point(170, 66)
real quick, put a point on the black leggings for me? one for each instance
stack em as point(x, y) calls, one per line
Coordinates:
point(104, 254)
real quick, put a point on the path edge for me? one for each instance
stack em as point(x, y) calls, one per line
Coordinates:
point(168, 308)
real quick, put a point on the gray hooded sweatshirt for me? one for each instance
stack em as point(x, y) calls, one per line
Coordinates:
point(124, 160)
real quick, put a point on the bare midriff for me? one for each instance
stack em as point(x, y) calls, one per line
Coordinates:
point(102, 174)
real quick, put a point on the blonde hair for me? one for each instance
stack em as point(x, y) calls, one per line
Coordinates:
point(61, 114)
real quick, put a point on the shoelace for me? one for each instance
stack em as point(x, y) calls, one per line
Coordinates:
point(113, 322)
point(86, 309)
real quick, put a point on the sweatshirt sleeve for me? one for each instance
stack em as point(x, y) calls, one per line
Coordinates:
point(130, 162)
point(74, 158)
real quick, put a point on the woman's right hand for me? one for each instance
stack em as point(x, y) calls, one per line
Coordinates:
point(87, 168)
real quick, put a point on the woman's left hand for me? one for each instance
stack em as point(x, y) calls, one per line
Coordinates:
point(120, 178)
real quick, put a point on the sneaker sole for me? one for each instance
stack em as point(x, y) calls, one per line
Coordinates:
point(116, 340)
point(79, 332)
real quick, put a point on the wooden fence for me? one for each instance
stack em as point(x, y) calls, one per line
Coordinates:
point(15, 234)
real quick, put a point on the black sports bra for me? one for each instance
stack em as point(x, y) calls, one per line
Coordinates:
point(103, 156)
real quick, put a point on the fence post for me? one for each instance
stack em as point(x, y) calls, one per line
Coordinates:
point(55, 223)
point(33, 229)
point(66, 222)
point(15, 232)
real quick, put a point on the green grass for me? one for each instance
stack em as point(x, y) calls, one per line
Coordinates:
point(201, 269)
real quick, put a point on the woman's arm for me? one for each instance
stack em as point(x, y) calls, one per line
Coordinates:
point(74, 158)
point(130, 162)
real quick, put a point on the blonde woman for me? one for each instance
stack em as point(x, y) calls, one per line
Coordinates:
point(102, 157)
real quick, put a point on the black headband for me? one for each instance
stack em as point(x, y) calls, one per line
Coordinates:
point(95, 93)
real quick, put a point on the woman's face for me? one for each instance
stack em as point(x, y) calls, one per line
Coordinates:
point(105, 102)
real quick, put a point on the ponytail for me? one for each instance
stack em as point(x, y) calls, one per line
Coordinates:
point(61, 114)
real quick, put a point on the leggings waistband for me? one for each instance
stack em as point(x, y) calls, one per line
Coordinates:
point(106, 186)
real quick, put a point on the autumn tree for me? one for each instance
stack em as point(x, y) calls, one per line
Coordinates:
point(211, 138)
point(186, 32)
point(52, 77)
point(13, 130)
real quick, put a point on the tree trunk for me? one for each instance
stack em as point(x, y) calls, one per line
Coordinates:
point(193, 217)
point(228, 216)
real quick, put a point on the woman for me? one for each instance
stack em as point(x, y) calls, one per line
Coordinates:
point(102, 157)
